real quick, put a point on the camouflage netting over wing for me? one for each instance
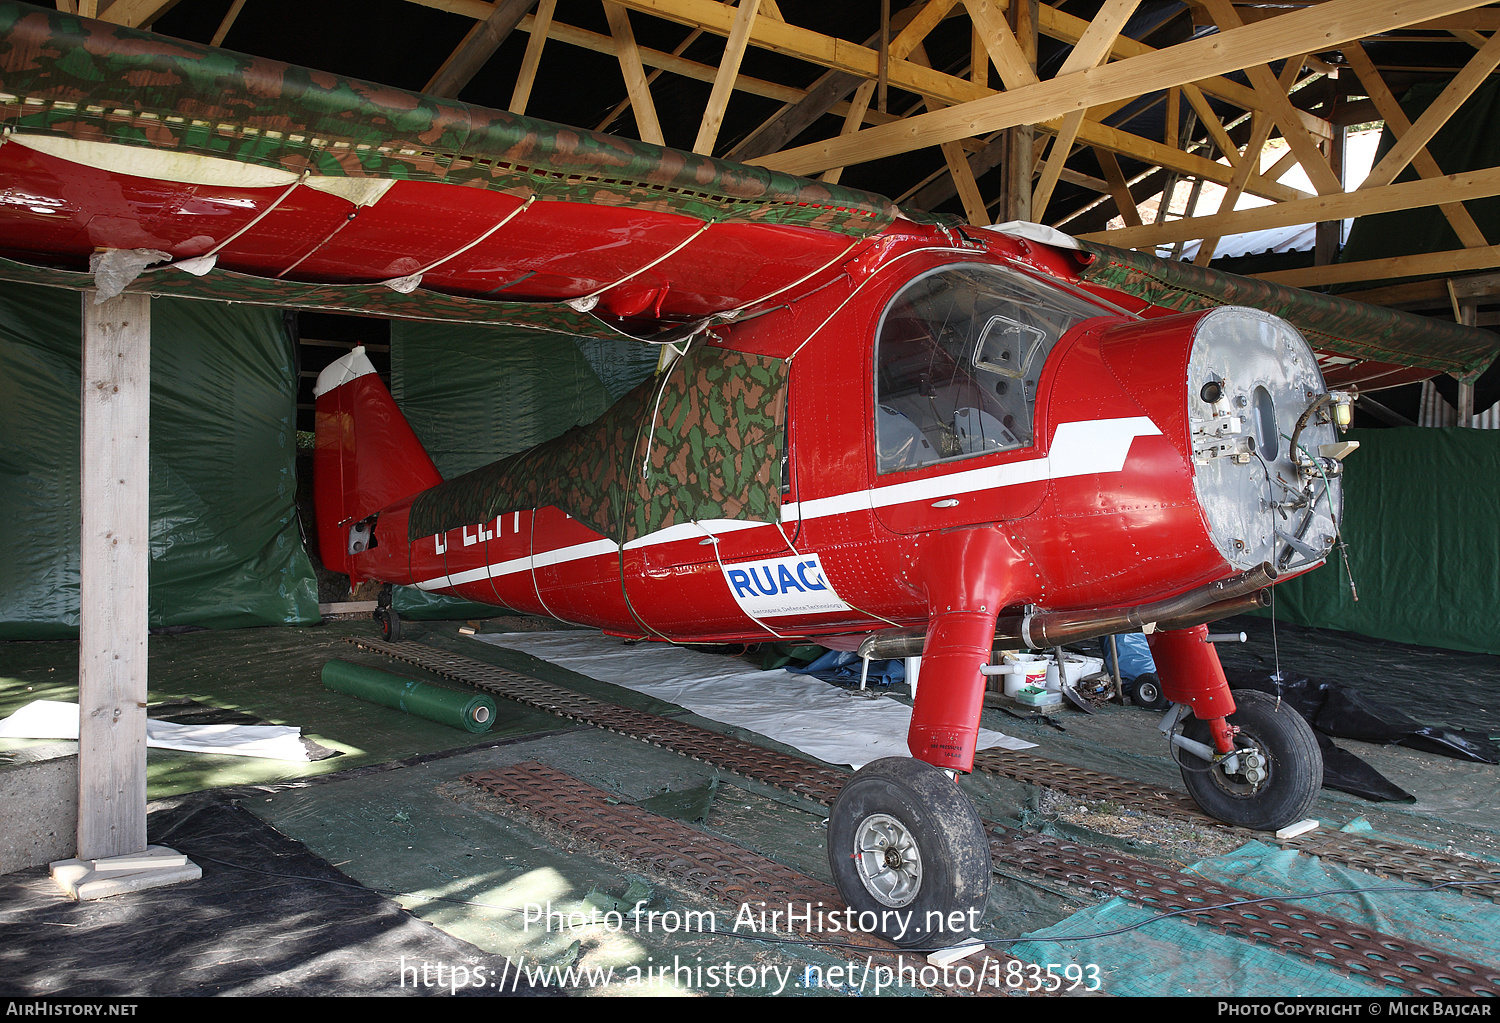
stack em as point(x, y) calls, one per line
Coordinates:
point(1330, 324)
point(703, 443)
point(60, 75)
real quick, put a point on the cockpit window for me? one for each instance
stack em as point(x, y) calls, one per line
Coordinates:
point(957, 358)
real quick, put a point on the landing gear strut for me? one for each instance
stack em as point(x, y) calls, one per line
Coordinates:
point(908, 852)
point(1247, 758)
point(385, 616)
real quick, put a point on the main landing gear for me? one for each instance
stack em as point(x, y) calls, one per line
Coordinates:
point(1273, 776)
point(908, 852)
point(1247, 758)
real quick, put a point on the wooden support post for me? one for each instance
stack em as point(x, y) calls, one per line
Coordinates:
point(1469, 317)
point(1015, 200)
point(114, 554)
point(114, 561)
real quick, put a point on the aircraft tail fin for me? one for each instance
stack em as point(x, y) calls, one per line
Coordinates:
point(366, 456)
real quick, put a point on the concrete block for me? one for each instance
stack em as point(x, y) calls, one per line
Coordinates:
point(38, 807)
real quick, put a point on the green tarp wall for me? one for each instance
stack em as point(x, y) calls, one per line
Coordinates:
point(476, 394)
point(1422, 522)
point(226, 549)
point(1466, 142)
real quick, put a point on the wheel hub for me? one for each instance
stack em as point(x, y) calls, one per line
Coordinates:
point(888, 860)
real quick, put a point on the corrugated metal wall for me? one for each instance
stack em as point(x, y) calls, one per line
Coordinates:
point(1435, 411)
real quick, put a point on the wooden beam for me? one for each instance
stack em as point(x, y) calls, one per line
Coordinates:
point(1451, 262)
point(1397, 123)
point(812, 46)
point(477, 48)
point(1260, 130)
point(636, 86)
point(833, 87)
point(1360, 203)
point(1067, 28)
point(1092, 47)
point(963, 180)
point(651, 78)
point(1118, 188)
point(1437, 114)
point(729, 69)
point(1210, 122)
point(115, 557)
point(852, 121)
point(227, 23)
point(130, 13)
point(1327, 25)
point(521, 95)
point(1000, 42)
point(1275, 100)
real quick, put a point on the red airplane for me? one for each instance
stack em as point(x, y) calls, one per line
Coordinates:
point(954, 445)
point(918, 436)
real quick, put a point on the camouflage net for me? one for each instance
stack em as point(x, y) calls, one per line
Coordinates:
point(703, 442)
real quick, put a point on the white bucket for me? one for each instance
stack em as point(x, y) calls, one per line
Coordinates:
point(1075, 667)
point(1026, 670)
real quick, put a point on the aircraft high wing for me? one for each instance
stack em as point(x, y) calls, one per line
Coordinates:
point(918, 435)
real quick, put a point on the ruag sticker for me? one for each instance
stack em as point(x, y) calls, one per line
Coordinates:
point(782, 586)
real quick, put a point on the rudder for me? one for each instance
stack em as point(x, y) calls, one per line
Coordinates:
point(366, 456)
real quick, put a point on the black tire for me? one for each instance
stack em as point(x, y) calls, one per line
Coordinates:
point(905, 844)
point(1145, 691)
point(390, 624)
point(1294, 768)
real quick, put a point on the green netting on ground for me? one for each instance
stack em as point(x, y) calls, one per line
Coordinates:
point(703, 443)
point(1422, 524)
point(226, 549)
point(1172, 957)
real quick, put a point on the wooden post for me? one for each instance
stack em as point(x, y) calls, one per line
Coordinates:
point(114, 555)
point(1020, 156)
point(1469, 317)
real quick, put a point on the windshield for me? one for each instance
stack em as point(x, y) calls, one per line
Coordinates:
point(957, 357)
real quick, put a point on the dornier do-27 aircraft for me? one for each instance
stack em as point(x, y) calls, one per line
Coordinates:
point(916, 436)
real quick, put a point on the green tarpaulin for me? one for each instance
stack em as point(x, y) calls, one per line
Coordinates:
point(1420, 510)
point(476, 394)
point(1456, 147)
point(226, 548)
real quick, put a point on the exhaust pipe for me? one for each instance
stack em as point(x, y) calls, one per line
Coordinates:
point(1041, 630)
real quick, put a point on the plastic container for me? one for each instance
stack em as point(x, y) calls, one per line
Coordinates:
point(1034, 696)
point(1026, 670)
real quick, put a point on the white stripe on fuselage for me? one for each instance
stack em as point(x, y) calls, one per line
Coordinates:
point(1078, 449)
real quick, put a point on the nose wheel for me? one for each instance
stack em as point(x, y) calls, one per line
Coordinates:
point(1273, 777)
point(909, 854)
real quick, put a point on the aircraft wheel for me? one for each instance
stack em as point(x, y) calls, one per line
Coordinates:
point(1280, 788)
point(390, 624)
point(909, 854)
point(1145, 691)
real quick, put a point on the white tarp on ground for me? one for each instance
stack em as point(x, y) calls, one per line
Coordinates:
point(50, 719)
point(832, 724)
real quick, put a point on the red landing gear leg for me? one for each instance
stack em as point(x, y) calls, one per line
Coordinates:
point(945, 718)
point(1190, 673)
point(1247, 759)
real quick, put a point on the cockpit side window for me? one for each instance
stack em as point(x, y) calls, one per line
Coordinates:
point(958, 354)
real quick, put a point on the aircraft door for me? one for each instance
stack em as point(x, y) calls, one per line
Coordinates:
point(959, 355)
